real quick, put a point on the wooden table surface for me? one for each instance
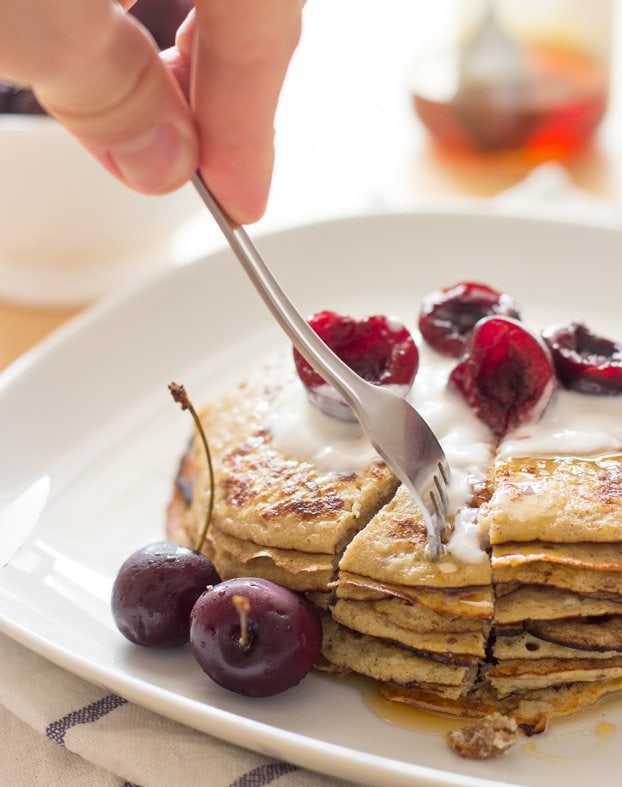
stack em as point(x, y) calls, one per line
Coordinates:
point(348, 141)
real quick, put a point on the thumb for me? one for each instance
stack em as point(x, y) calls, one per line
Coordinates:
point(117, 97)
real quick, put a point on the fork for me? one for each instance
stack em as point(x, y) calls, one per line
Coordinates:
point(396, 430)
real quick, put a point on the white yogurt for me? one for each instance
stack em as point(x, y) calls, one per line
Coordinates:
point(573, 424)
point(300, 430)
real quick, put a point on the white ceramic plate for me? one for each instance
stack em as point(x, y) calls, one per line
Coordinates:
point(91, 442)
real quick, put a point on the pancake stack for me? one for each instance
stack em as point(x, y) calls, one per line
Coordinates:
point(555, 528)
point(531, 628)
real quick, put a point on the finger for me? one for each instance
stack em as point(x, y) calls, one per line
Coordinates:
point(177, 59)
point(241, 51)
point(98, 72)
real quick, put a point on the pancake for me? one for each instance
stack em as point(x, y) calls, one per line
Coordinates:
point(602, 633)
point(519, 675)
point(274, 515)
point(595, 557)
point(385, 662)
point(543, 603)
point(448, 637)
point(393, 548)
point(526, 645)
point(563, 500)
point(473, 602)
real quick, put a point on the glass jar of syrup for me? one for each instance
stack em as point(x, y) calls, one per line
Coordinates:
point(526, 77)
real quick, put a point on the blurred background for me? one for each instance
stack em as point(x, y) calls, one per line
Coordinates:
point(387, 106)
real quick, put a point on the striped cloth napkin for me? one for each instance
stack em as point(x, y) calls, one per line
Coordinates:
point(61, 730)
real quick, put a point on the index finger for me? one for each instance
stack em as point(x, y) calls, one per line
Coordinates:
point(240, 53)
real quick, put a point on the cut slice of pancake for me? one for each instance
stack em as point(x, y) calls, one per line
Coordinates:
point(274, 515)
point(393, 549)
point(389, 589)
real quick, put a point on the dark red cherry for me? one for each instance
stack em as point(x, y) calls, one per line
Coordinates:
point(155, 591)
point(505, 374)
point(254, 637)
point(378, 348)
point(448, 315)
point(584, 361)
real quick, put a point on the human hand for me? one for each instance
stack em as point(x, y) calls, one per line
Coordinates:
point(99, 73)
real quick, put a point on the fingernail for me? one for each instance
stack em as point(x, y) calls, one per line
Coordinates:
point(161, 159)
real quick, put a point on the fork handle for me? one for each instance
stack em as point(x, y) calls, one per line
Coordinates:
point(304, 338)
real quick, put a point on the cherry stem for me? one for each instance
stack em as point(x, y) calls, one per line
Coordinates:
point(178, 392)
point(242, 607)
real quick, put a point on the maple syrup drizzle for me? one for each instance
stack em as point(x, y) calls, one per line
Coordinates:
point(595, 735)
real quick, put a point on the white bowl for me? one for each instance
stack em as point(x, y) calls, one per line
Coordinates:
point(69, 231)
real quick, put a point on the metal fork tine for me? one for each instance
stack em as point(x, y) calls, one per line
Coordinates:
point(444, 471)
point(441, 485)
point(437, 504)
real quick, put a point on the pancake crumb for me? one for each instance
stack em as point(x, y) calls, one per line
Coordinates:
point(490, 737)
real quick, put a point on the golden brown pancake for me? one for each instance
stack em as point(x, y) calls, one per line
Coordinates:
point(393, 548)
point(526, 645)
point(562, 500)
point(542, 603)
point(383, 661)
point(274, 515)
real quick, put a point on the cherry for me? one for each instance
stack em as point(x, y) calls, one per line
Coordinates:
point(157, 586)
point(584, 361)
point(155, 590)
point(254, 637)
point(505, 374)
point(379, 349)
point(448, 315)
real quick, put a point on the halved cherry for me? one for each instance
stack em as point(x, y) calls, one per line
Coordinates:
point(505, 374)
point(448, 315)
point(378, 348)
point(584, 361)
